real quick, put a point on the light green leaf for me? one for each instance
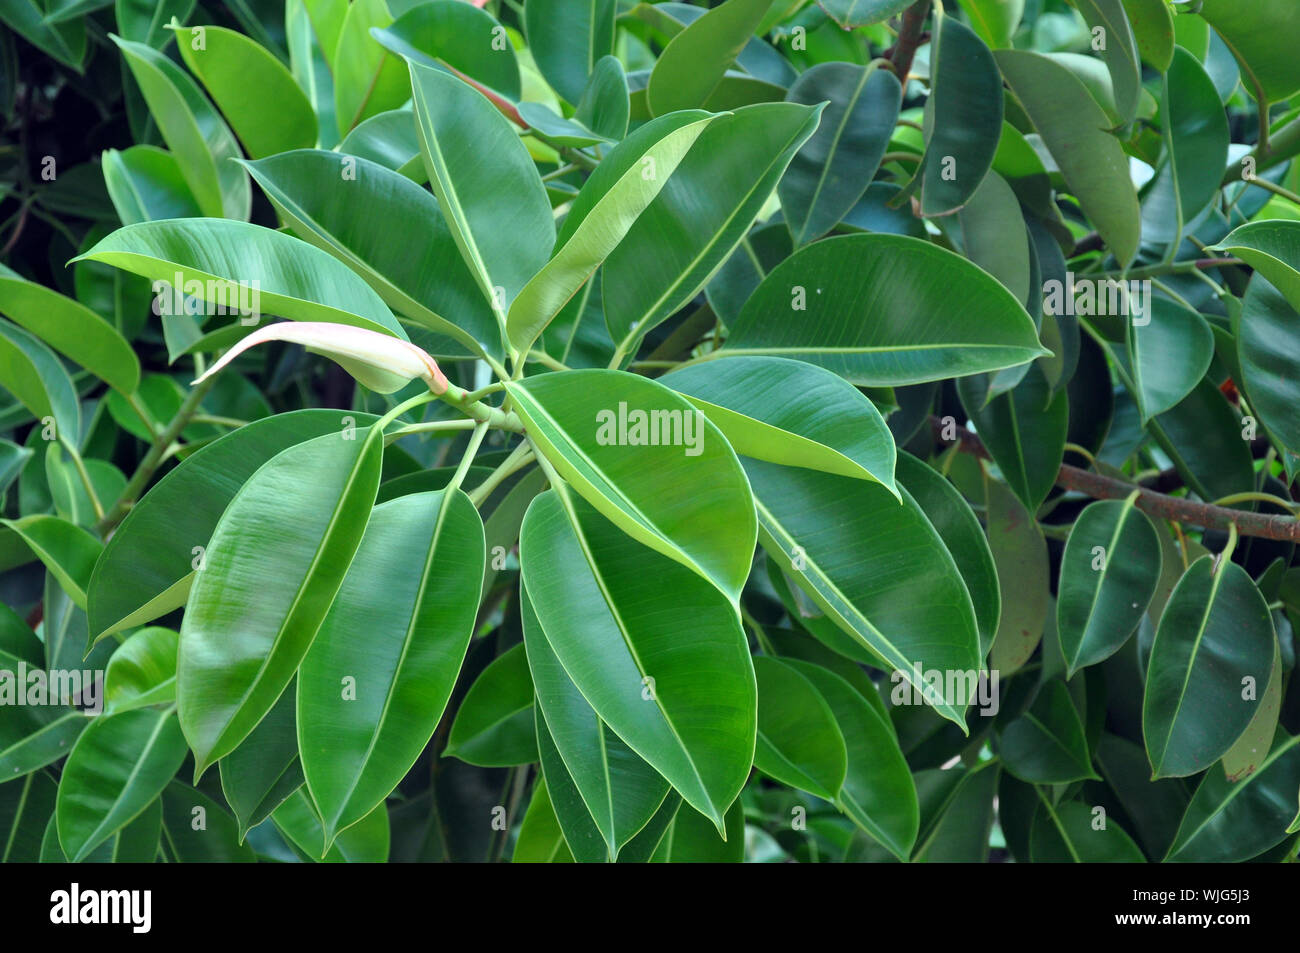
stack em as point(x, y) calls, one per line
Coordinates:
point(194, 132)
point(142, 671)
point(118, 766)
point(799, 743)
point(598, 784)
point(650, 462)
point(470, 149)
point(687, 706)
point(254, 90)
point(275, 562)
point(413, 589)
point(494, 726)
point(900, 597)
point(883, 310)
point(793, 413)
point(700, 215)
point(224, 263)
point(70, 328)
point(614, 208)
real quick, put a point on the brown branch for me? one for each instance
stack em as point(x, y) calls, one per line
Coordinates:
point(910, 36)
point(1149, 501)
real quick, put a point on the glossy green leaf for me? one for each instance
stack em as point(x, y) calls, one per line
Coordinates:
point(963, 118)
point(878, 793)
point(469, 149)
point(1046, 744)
point(118, 766)
point(1169, 352)
point(252, 88)
point(318, 193)
point(1070, 833)
point(1109, 573)
point(1248, 30)
point(567, 38)
point(831, 172)
point(1215, 632)
point(275, 562)
point(71, 329)
point(494, 726)
point(367, 78)
point(690, 840)
point(67, 550)
point(366, 842)
point(994, 20)
point(32, 373)
point(831, 427)
point(1074, 129)
point(700, 215)
point(1206, 440)
point(142, 671)
point(541, 841)
point(1268, 349)
point(194, 132)
point(368, 706)
point(1230, 821)
point(873, 319)
point(650, 462)
point(135, 843)
point(799, 743)
point(216, 841)
point(459, 36)
point(1025, 432)
point(850, 14)
point(261, 774)
point(695, 60)
point(604, 106)
point(902, 598)
point(956, 524)
point(149, 563)
point(588, 240)
point(590, 771)
point(390, 139)
point(959, 833)
point(687, 706)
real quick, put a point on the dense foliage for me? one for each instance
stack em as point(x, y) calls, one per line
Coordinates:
point(760, 430)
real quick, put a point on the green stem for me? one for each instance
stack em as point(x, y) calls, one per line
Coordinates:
point(218, 421)
point(541, 357)
point(1273, 187)
point(145, 471)
point(475, 441)
point(1170, 268)
point(463, 401)
point(133, 401)
point(433, 426)
point(85, 479)
point(519, 458)
point(759, 634)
